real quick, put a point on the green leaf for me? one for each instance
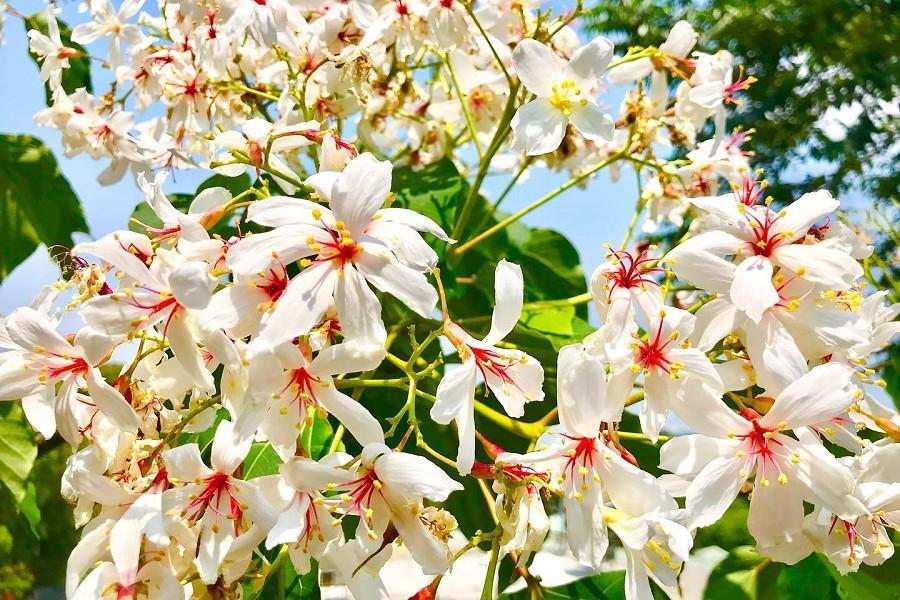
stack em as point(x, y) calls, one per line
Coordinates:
point(30, 510)
point(235, 185)
point(809, 578)
point(603, 586)
point(17, 453)
point(742, 575)
point(78, 75)
point(37, 204)
point(316, 437)
point(261, 460)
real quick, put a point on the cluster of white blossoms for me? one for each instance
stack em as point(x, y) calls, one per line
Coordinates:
point(762, 352)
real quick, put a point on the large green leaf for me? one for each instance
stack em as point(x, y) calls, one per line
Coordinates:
point(37, 204)
point(78, 75)
point(261, 460)
point(17, 453)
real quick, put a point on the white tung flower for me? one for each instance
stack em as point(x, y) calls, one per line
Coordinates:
point(564, 95)
point(513, 376)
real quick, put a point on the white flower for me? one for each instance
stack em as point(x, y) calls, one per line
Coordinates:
point(863, 539)
point(645, 518)
point(730, 448)
point(672, 371)
point(159, 294)
point(287, 384)
point(304, 521)
point(563, 93)
point(389, 488)
point(580, 464)
point(353, 244)
point(43, 358)
point(758, 239)
point(223, 505)
point(52, 54)
point(513, 376)
point(109, 22)
point(678, 44)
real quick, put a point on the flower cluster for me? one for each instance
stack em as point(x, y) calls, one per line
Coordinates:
point(243, 322)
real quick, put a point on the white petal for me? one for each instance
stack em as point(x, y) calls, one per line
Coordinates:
point(586, 528)
point(278, 211)
point(431, 554)
point(825, 392)
point(387, 274)
point(588, 63)
point(111, 403)
point(581, 392)
point(407, 244)
point(538, 127)
point(800, 215)
point(716, 319)
point(776, 520)
point(537, 66)
point(227, 450)
point(348, 357)
point(184, 463)
point(775, 357)
point(362, 189)
point(302, 305)
point(456, 402)
point(192, 284)
point(415, 220)
point(358, 309)
point(255, 253)
point(593, 123)
point(33, 331)
point(630, 71)
point(358, 421)
point(414, 476)
point(186, 351)
point(689, 454)
point(752, 290)
point(713, 491)
point(508, 293)
point(834, 269)
point(291, 523)
point(658, 389)
point(38, 409)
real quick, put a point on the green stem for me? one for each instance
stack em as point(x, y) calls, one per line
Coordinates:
point(502, 129)
point(487, 591)
point(536, 204)
point(465, 109)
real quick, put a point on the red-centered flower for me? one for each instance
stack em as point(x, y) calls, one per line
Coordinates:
point(632, 271)
point(651, 353)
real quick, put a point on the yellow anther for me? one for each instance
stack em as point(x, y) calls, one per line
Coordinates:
point(782, 479)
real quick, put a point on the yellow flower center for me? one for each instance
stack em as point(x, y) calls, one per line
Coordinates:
point(565, 95)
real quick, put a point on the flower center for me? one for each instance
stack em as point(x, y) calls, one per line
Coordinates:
point(632, 271)
point(216, 489)
point(358, 499)
point(498, 365)
point(765, 236)
point(651, 353)
point(565, 95)
point(341, 247)
point(580, 464)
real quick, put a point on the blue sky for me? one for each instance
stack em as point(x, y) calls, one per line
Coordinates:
point(588, 217)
